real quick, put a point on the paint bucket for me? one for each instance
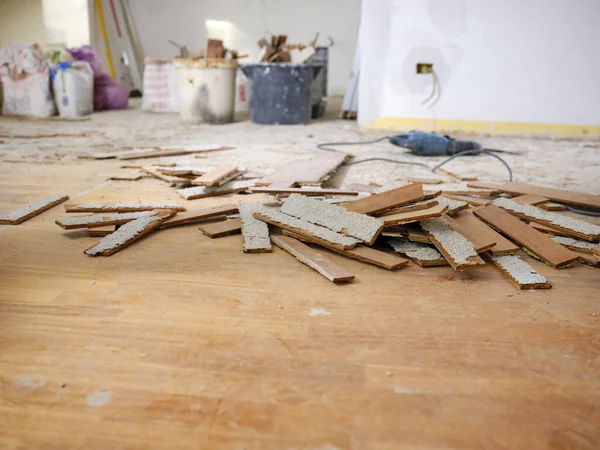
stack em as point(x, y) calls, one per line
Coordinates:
point(206, 90)
point(280, 92)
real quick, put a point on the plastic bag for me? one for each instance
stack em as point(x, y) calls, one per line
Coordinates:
point(160, 86)
point(107, 93)
point(25, 78)
point(73, 88)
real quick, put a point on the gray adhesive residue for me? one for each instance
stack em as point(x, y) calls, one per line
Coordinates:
point(334, 217)
point(416, 250)
point(574, 242)
point(553, 218)
point(31, 207)
point(206, 190)
point(346, 198)
point(519, 270)
point(255, 232)
point(122, 235)
point(452, 205)
point(99, 398)
point(84, 220)
point(315, 230)
point(458, 247)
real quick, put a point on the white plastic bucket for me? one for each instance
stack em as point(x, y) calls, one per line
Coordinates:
point(206, 90)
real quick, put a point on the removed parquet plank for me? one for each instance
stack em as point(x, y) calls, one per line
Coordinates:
point(481, 242)
point(574, 227)
point(387, 199)
point(310, 171)
point(551, 206)
point(548, 230)
point(430, 195)
point(168, 152)
point(529, 199)
point(173, 180)
point(535, 242)
point(589, 260)
point(411, 231)
point(336, 218)
point(317, 233)
point(32, 209)
point(220, 229)
point(214, 177)
point(255, 232)
point(481, 235)
point(519, 272)
point(101, 231)
point(456, 248)
point(361, 253)
point(188, 217)
point(575, 244)
point(454, 206)
point(128, 233)
point(475, 201)
point(211, 191)
point(303, 191)
point(415, 206)
point(180, 170)
point(312, 258)
point(596, 251)
point(556, 195)
point(414, 216)
point(121, 207)
point(421, 254)
point(92, 221)
point(127, 177)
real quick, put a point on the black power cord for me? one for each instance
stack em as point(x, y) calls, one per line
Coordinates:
point(327, 147)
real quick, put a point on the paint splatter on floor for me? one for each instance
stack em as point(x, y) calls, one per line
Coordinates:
point(318, 312)
point(30, 382)
point(99, 398)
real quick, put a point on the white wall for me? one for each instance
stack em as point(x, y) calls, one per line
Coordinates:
point(241, 23)
point(511, 60)
point(22, 21)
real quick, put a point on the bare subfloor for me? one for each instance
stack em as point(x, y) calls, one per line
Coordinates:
point(180, 341)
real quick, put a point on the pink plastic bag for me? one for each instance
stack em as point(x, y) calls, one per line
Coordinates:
point(107, 93)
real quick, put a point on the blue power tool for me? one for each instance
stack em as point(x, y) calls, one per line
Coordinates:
point(432, 144)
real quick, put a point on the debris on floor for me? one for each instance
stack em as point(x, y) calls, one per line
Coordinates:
point(387, 226)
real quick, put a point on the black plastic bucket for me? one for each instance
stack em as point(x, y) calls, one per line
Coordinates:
point(279, 92)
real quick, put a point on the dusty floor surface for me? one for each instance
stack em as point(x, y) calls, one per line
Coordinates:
point(558, 162)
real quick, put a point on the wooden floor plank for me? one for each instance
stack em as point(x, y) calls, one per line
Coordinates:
point(361, 253)
point(481, 235)
point(537, 243)
point(221, 228)
point(557, 195)
point(312, 258)
point(32, 209)
point(386, 200)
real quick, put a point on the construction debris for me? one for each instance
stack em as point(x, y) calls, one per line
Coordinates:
point(334, 217)
point(430, 228)
point(254, 231)
point(457, 249)
point(32, 209)
point(121, 207)
point(312, 258)
point(519, 272)
point(223, 228)
point(128, 233)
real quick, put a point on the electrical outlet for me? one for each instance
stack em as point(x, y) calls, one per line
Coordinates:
point(424, 68)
